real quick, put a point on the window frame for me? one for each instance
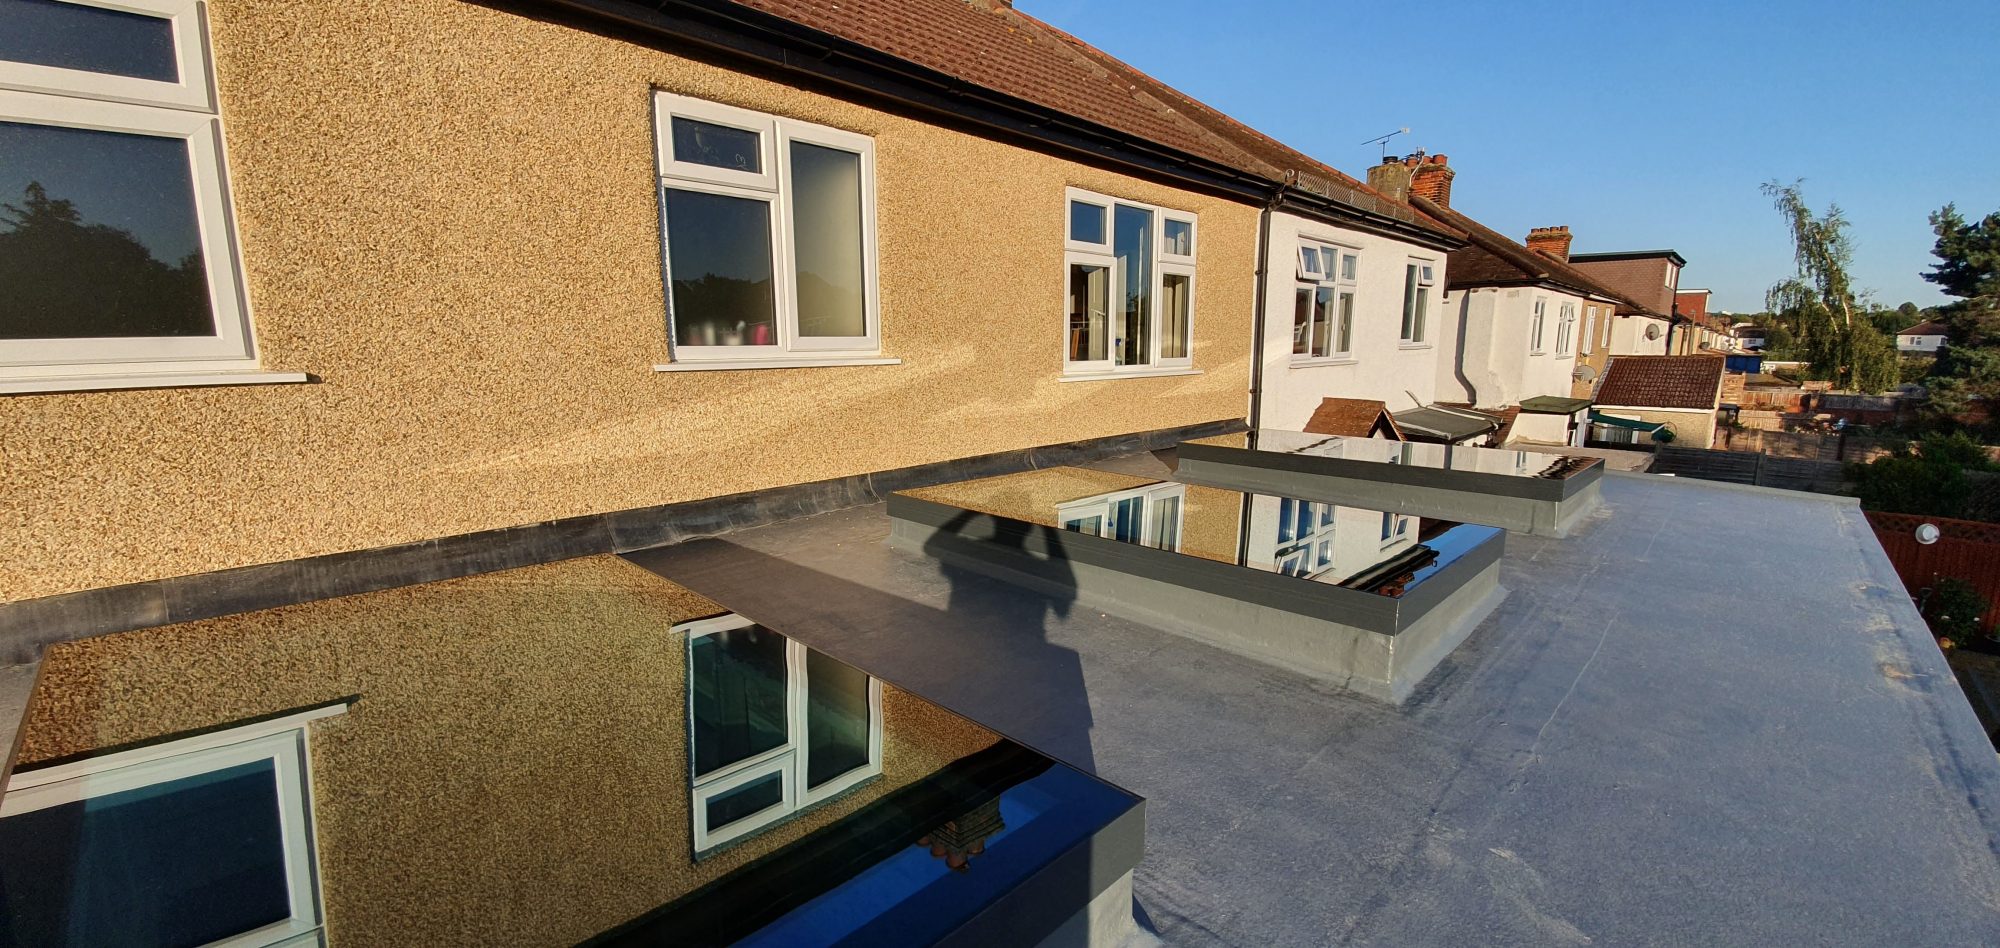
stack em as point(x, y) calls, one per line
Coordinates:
point(194, 91)
point(773, 187)
point(1589, 343)
point(283, 740)
point(1163, 264)
point(1419, 278)
point(789, 759)
point(1330, 275)
point(1565, 327)
point(1538, 326)
point(1150, 499)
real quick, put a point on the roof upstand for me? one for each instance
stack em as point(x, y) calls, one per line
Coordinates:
point(1524, 491)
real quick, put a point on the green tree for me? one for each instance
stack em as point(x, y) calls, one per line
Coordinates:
point(1968, 254)
point(1956, 610)
point(93, 280)
point(1910, 483)
point(1819, 301)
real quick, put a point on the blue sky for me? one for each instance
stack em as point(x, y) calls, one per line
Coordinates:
point(1638, 125)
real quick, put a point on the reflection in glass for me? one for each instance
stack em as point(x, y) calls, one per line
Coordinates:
point(1175, 306)
point(98, 236)
point(751, 798)
point(1302, 322)
point(826, 238)
point(719, 258)
point(836, 719)
point(1177, 238)
point(1086, 223)
point(1348, 264)
point(1132, 242)
point(1089, 312)
point(185, 862)
point(737, 678)
point(87, 38)
point(1322, 320)
point(1346, 333)
point(718, 146)
point(1512, 463)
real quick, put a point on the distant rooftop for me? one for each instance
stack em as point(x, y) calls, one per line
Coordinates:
point(1684, 381)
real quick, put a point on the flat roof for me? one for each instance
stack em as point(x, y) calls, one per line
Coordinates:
point(1663, 736)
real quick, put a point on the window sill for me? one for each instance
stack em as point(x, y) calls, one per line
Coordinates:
point(1132, 374)
point(1413, 345)
point(1532, 354)
point(731, 365)
point(1319, 363)
point(99, 383)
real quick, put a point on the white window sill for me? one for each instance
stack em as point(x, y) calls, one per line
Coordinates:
point(728, 365)
point(1538, 353)
point(1413, 345)
point(1324, 361)
point(1127, 374)
point(98, 383)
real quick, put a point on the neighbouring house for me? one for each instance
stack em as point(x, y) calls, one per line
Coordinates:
point(1353, 418)
point(1650, 278)
point(1924, 338)
point(1749, 336)
point(1681, 393)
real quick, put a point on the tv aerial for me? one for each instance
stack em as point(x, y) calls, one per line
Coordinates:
point(1383, 140)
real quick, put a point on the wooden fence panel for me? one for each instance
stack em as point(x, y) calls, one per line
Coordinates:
point(1968, 550)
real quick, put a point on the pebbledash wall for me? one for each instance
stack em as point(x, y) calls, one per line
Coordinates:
point(449, 215)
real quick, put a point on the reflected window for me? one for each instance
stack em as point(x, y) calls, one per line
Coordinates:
point(1305, 537)
point(1130, 272)
point(1323, 319)
point(115, 244)
point(773, 727)
point(201, 841)
point(1148, 516)
point(770, 244)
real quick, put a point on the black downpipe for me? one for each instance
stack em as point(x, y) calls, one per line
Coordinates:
point(1259, 318)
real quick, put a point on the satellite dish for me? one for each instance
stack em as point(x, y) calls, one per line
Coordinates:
point(1653, 332)
point(1584, 372)
point(1928, 533)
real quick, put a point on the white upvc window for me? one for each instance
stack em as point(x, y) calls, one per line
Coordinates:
point(769, 229)
point(117, 249)
point(1589, 329)
point(204, 840)
point(1149, 516)
point(1419, 282)
point(1323, 303)
point(1128, 286)
point(1305, 537)
point(1565, 327)
point(1536, 326)
point(773, 727)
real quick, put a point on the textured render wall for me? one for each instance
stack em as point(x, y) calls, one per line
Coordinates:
point(1381, 367)
point(1210, 522)
point(449, 213)
point(1628, 336)
point(515, 771)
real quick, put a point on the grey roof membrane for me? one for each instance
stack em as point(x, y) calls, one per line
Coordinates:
point(1665, 735)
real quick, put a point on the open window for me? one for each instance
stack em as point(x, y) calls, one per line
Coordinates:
point(1419, 284)
point(1323, 303)
point(218, 826)
point(773, 728)
point(1129, 285)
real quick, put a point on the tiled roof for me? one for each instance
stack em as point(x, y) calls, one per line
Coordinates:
point(1929, 327)
point(1007, 51)
point(1671, 381)
point(1352, 418)
point(1495, 258)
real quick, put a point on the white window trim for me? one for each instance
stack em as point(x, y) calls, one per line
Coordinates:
point(1149, 496)
point(1415, 335)
point(282, 740)
point(1102, 254)
point(788, 759)
point(1331, 276)
point(1589, 330)
point(1538, 323)
point(772, 185)
point(73, 99)
point(184, 19)
point(1565, 327)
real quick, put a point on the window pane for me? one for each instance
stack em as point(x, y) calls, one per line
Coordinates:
point(1177, 238)
point(826, 239)
point(1421, 309)
point(837, 739)
point(92, 39)
point(1174, 307)
point(737, 679)
point(1166, 524)
point(1086, 222)
point(1089, 313)
point(1309, 262)
point(718, 146)
point(184, 862)
point(1322, 321)
point(1346, 335)
point(1302, 322)
point(749, 799)
point(1132, 241)
point(98, 236)
point(1409, 300)
point(719, 256)
point(1348, 264)
point(1125, 519)
point(1093, 524)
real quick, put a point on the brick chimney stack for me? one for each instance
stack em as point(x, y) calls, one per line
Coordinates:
point(1550, 242)
point(1432, 179)
point(1392, 177)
